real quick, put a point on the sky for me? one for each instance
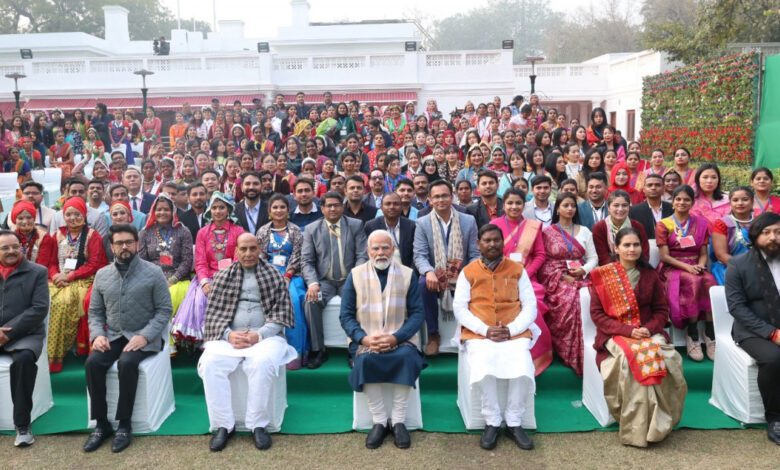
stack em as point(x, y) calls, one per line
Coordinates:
point(262, 17)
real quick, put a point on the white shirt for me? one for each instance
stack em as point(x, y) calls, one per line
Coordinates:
point(523, 321)
point(585, 237)
point(138, 199)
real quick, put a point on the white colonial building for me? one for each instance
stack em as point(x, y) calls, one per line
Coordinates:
point(368, 61)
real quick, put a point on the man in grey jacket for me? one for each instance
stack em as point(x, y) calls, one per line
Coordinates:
point(25, 294)
point(332, 246)
point(128, 313)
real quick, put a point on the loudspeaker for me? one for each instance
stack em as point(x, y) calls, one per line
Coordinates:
point(263, 47)
point(410, 46)
point(507, 44)
point(26, 53)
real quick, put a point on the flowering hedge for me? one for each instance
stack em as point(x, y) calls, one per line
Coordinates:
point(709, 108)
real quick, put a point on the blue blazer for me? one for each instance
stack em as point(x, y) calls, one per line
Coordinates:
point(423, 241)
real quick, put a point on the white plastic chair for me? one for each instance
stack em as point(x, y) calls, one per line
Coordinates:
point(334, 334)
point(592, 382)
point(470, 399)
point(51, 179)
point(154, 400)
point(42, 395)
point(8, 187)
point(735, 374)
point(278, 402)
point(361, 416)
point(655, 255)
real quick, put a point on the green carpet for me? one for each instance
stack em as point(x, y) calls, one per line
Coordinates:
point(320, 401)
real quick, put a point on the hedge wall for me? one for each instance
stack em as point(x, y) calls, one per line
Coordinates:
point(709, 108)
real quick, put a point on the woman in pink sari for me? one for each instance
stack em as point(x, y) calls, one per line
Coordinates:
point(523, 243)
point(682, 242)
point(711, 202)
point(571, 256)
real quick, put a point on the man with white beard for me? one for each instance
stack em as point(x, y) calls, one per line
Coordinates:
point(381, 312)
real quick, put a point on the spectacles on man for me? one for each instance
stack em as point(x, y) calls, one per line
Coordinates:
point(121, 243)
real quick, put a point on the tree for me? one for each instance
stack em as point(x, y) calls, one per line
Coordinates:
point(716, 23)
point(561, 37)
point(485, 27)
point(602, 28)
point(148, 19)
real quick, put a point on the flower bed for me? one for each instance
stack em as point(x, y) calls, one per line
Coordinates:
point(709, 108)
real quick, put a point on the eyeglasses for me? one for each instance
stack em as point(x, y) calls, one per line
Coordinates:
point(121, 243)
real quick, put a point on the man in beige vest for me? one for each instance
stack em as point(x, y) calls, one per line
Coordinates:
point(496, 308)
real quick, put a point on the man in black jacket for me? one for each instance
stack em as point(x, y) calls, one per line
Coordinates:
point(488, 206)
point(251, 212)
point(653, 209)
point(193, 218)
point(752, 282)
point(400, 228)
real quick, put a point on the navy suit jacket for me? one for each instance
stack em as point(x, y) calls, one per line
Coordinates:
point(406, 239)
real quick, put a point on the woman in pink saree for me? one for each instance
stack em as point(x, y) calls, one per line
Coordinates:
point(571, 256)
point(682, 243)
point(523, 243)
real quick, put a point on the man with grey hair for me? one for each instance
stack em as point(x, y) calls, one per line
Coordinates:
point(382, 314)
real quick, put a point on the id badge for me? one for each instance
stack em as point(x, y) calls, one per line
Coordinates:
point(70, 263)
point(166, 259)
point(224, 263)
point(279, 260)
point(343, 132)
point(687, 242)
point(516, 257)
point(573, 264)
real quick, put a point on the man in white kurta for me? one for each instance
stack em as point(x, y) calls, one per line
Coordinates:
point(496, 308)
point(249, 307)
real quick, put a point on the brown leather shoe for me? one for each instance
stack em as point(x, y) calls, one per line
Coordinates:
point(432, 348)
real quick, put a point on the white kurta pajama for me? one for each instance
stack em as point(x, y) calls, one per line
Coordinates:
point(509, 360)
point(260, 363)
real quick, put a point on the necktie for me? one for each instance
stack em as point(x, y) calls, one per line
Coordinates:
point(135, 203)
point(337, 268)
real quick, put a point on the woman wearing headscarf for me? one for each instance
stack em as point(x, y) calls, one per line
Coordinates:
point(80, 254)
point(215, 246)
point(119, 213)
point(167, 243)
point(37, 245)
point(620, 179)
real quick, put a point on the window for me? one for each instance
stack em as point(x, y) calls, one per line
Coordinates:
point(630, 124)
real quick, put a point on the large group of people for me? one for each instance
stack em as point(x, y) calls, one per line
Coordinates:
point(232, 237)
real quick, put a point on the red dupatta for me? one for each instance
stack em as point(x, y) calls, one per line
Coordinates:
point(617, 297)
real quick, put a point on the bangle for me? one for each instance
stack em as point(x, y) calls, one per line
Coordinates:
point(203, 282)
point(288, 275)
point(774, 335)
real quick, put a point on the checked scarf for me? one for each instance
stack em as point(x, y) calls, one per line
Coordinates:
point(226, 290)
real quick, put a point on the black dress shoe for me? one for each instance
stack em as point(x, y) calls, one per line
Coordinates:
point(96, 439)
point(219, 439)
point(262, 438)
point(489, 437)
point(401, 436)
point(319, 358)
point(773, 432)
point(376, 437)
point(520, 437)
point(122, 439)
